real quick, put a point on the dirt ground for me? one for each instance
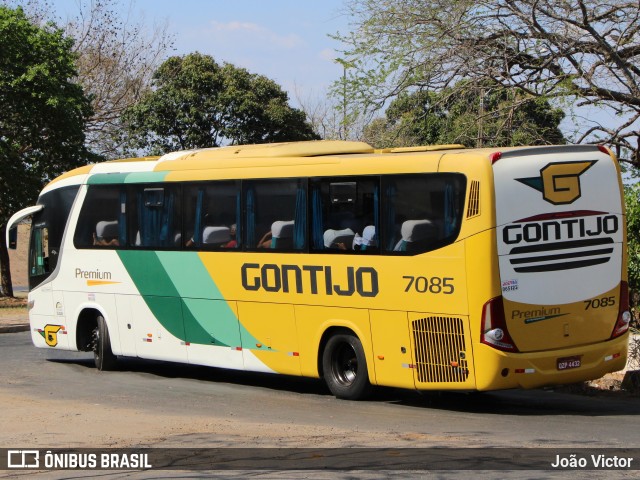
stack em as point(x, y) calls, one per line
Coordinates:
point(122, 427)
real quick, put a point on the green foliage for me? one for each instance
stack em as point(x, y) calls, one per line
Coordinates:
point(196, 103)
point(43, 112)
point(632, 203)
point(42, 116)
point(582, 55)
point(470, 115)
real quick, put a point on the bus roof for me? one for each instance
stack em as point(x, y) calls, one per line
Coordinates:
point(314, 158)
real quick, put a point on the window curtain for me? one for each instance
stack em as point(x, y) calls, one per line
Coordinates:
point(251, 217)
point(376, 213)
point(316, 214)
point(391, 192)
point(449, 210)
point(156, 222)
point(197, 228)
point(142, 222)
point(238, 216)
point(166, 220)
point(300, 220)
point(122, 219)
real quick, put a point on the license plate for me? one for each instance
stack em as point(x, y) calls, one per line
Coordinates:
point(565, 363)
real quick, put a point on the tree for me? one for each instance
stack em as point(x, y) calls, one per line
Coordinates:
point(471, 116)
point(582, 54)
point(632, 203)
point(42, 117)
point(196, 103)
point(330, 116)
point(116, 60)
point(116, 57)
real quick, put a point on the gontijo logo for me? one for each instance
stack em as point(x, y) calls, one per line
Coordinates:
point(559, 182)
point(50, 334)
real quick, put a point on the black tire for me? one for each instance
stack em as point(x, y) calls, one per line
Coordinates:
point(345, 367)
point(103, 356)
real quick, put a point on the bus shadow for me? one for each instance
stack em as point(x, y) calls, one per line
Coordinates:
point(185, 371)
point(537, 402)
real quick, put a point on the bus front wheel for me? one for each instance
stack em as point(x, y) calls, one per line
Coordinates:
point(102, 354)
point(345, 367)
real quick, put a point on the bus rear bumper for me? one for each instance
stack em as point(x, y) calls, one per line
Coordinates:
point(497, 370)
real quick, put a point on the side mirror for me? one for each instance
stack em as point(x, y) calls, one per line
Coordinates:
point(13, 238)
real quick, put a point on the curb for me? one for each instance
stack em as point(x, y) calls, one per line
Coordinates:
point(23, 327)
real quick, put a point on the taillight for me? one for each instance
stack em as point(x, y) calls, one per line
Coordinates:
point(624, 315)
point(494, 327)
point(495, 156)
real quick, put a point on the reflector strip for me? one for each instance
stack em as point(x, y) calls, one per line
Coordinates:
point(239, 349)
point(525, 370)
point(611, 357)
point(408, 365)
point(293, 354)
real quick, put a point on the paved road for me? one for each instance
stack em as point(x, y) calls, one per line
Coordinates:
point(217, 408)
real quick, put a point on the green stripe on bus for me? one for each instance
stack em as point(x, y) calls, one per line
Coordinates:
point(106, 178)
point(145, 177)
point(167, 280)
point(120, 178)
point(208, 318)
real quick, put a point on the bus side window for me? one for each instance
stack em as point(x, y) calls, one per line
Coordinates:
point(154, 216)
point(421, 212)
point(341, 211)
point(276, 214)
point(211, 215)
point(102, 221)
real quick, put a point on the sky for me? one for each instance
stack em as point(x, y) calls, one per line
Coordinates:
point(285, 40)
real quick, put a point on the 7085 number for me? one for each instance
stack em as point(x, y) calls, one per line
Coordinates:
point(433, 285)
point(600, 302)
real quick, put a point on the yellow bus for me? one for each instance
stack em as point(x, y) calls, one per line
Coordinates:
point(426, 268)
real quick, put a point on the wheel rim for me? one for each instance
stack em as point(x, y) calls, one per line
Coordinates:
point(96, 342)
point(344, 364)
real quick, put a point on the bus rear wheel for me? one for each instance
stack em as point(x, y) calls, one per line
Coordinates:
point(102, 354)
point(345, 367)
